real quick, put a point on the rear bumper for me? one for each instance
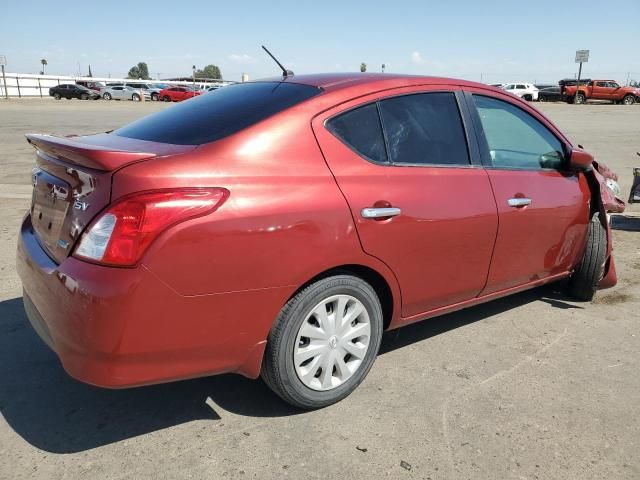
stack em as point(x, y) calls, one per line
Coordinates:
point(119, 327)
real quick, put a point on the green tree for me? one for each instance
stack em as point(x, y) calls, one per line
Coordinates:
point(139, 71)
point(44, 64)
point(363, 67)
point(210, 71)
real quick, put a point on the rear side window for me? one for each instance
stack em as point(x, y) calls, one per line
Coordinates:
point(360, 129)
point(207, 118)
point(425, 129)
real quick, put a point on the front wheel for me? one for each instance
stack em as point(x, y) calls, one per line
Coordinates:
point(542, 98)
point(107, 96)
point(57, 96)
point(154, 97)
point(582, 284)
point(167, 98)
point(324, 342)
point(628, 100)
point(135, 97)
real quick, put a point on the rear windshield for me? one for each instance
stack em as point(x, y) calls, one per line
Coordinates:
point(218, 113)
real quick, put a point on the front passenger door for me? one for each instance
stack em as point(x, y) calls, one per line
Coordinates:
point(543, 208)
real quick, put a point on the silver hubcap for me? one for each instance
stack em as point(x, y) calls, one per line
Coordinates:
point(332, 342)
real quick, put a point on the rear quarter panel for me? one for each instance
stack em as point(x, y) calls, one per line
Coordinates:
point(284, 222)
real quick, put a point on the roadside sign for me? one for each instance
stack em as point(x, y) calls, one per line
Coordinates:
point(582, 56)
point(3, 60)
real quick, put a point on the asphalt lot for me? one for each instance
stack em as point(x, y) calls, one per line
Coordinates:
point(530, 386)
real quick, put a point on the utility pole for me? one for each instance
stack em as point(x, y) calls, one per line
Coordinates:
point(3, 62)
point(194, 77)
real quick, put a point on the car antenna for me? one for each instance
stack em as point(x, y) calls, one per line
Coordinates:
point(285, 73)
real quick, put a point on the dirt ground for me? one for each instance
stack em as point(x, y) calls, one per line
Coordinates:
point(530, 386)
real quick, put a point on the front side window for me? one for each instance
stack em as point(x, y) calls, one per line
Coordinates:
point(516, 139)
point(360, 130)
point(509, 87)
point(424, 129)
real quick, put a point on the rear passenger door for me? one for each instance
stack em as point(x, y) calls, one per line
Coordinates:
point(403, 163)
point(543, 207)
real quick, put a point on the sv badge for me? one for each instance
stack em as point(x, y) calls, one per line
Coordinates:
point(82, 206)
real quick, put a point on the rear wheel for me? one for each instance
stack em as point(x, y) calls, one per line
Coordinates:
point(583, 282)
point(107, 96)
point(324, 342)
point(84, 96)
point(580, 99)
point(628, 100)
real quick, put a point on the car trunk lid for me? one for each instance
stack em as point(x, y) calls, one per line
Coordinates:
point(72, 182)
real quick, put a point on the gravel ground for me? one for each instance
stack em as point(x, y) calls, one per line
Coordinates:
point(530, 386)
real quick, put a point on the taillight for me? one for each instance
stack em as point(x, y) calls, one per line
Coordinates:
point(121, 234)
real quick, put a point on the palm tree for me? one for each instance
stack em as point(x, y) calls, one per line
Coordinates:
point(44, 64)
point(363, 67)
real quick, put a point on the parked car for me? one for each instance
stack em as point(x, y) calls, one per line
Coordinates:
point(151, 92)
point(551, 94)
point(178, 94)
point(91, 85)
point(278, 227)
point(122, 92)
point(70, 90)
point(527, 91)
point(497, 85)
point(602, 90)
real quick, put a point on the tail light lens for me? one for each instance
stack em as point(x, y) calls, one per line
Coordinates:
point(121, 234)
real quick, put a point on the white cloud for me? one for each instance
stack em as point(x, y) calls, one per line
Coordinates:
point(417, 58)
point(241, 59)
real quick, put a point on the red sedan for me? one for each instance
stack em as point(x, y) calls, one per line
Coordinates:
point(278, 227)
point(177, 94)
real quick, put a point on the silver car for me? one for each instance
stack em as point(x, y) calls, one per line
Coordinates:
point(150, 91)
point(122, 92)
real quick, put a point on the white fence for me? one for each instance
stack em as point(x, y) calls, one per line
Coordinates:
point(29, 85)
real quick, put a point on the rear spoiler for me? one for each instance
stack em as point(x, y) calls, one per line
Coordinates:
point(98, 157)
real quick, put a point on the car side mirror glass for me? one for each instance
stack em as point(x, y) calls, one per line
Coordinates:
point(580, 160)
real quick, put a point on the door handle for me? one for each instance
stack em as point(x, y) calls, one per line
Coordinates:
point(519, 202)
point(380, 212)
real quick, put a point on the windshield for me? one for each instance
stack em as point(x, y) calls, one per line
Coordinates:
point(220, 113)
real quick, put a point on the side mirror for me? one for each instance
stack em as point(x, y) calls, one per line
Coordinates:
point(580, 160)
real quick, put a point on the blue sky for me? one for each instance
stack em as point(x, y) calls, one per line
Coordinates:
point(479, 40)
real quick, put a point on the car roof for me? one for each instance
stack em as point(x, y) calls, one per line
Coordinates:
point(338, 81)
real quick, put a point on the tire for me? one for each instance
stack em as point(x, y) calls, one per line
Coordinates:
point(154, 97)
point(527, 97)
point(542, 98)
point(583, 282)
point(302, 383)
point(580, 99)
point(167, 98)
point(57, 96)
point(84, 96)
point(107, 96)
point(628, 100)
point(135, 97)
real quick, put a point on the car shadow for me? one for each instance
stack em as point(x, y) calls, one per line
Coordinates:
point(626, 223)
point(57, 414)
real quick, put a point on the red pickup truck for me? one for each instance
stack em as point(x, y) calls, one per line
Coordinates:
point(602, 90)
